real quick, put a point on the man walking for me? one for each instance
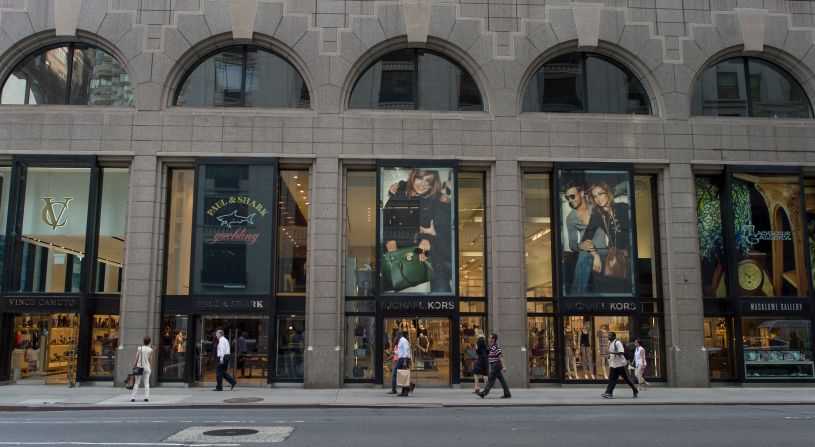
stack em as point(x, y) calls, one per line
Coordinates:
point(221, 371)
point(617, 362)
point(402, 362)
point(497, 369)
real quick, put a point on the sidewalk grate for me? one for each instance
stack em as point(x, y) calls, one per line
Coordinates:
point(243, 400)
point(231, 432)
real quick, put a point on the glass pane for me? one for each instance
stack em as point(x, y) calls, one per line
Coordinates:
point(769, 235)
point(112, 231)
point(273, 82)
point(560, 86)
point(471, 328)
point(650, 339)
point(98, 79)
point(360, 347)
point(613, 90)
point(471, 234)
point(52, 243)
point(718, 334)
point(44, 348)
point(809, 199)
point(596, 231)
point(387, 84)
point(417, 233)
point(777, 347)
point(104, 342)
point(360, 306)
point(248, 342)
point(179, 232)
point(5, 186)
point(540, 307)
point(292, 247)
point(173, 355)
point(290, 333)
point(586, 345)
point(647, 249)
point(360, 233)
point(721, 91)
point(711, 237)
point(429, 340)
point(775, 93)
point(443, 86)
point(216, 82)
point(39, 79)
point(472, 307)
point(542, 364)
point(537, 235)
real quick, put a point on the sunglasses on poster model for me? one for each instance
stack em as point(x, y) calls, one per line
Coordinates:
point(571, 196)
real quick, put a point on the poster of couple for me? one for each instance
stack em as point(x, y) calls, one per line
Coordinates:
point(597, 233)
point(417, 233)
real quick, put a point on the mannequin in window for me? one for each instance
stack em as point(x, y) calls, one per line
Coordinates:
point(602, 343)
point(570, 345)
point(586, 354)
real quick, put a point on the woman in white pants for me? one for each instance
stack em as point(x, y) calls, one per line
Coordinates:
point(639, 364)
point(144, 356)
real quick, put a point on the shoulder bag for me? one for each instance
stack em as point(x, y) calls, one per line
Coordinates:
point(403, 268)
point(617, 263)
point(138, 370)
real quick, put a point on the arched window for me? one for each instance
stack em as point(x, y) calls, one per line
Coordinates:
point(73, 73)
point(243, 76)
point(416, 79)
point(585, 83)
point(746, 86)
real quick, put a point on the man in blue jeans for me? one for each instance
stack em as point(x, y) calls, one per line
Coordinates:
point(402, 361)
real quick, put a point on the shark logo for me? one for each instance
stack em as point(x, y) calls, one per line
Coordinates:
point(234, 219)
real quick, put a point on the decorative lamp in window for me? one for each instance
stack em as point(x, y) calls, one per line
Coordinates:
point(243, 76)
point(416, 79)
point(73, 73)
point(723, 90)
point(585, 83)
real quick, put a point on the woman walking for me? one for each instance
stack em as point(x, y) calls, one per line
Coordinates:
point(144, 356)
point(639, 365)
point(480, 371)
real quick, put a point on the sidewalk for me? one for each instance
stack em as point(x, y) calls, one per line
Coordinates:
point(42, 397)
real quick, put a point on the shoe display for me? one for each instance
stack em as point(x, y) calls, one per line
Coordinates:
point(608, 396)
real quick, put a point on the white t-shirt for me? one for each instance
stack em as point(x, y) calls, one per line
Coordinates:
point(639, 356)
point(614, 360)
point(144, 357)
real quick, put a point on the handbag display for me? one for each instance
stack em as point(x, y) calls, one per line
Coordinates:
point(403, 377)
point(402, 269)
point(617, 263)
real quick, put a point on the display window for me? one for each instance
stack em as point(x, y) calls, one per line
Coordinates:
point(292, 236)
point(248, 339)
point(359, 347)
point(104, 343)
point(291, 331)
point(776, 347)
point(44, 348)
point(719, 348)
point(174, 347)
point(542, 355)
point(471, 327)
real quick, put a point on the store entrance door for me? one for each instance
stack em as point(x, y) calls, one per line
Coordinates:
point(248, 344)
point(430, 349)
point(44, 348)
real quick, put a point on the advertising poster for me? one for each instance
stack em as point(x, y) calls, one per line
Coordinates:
point(596, 233)
point(769, 235)
point(417, 234)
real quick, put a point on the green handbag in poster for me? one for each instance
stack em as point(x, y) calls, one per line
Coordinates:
point(402, 269)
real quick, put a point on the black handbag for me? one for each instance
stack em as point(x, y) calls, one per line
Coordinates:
point(137, 370)
point(403, 268)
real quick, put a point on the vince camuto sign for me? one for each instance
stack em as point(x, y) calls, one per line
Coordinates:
point(43, 302)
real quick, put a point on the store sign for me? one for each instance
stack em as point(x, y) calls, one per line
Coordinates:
point(417, 304)
point(754, 237)
point(34, 303)
point(600, 305)
point(774, 307)
point(53, 212)
point(219, 304)
point(225, 213)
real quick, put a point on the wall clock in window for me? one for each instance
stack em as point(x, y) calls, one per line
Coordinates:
point(752, 274)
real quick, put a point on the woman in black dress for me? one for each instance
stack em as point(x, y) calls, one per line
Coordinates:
point(482, 362)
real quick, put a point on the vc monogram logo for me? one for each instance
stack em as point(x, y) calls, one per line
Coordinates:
point(53, 211)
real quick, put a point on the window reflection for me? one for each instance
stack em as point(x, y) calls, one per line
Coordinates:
point(537, 235)
point(113, 209)
point(646, 237)
point(98, 79)
point(542, 363)
point(360, 233)
point(293, 206)
point(5, 187)
point(174, 347)
point(291, 333)
point(471, 234)
point(179, 232)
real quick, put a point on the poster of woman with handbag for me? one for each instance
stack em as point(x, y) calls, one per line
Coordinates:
point(417, 233)
point(604, 267)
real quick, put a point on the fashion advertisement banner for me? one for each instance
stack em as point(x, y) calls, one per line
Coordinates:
point(416, 230)
point(769, 235)
point(596, 233)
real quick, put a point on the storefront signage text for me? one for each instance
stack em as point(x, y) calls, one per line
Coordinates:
point(62, 303)
point(572, 305)
point(235, 221)
point(237, 200)
point(754, 237)
point(216, 304)
point(773, 307)
point(387, 305)
point(53, 211)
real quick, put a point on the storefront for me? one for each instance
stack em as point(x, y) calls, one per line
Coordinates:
point(63, 268)
point(756, 229)
point(235, 261)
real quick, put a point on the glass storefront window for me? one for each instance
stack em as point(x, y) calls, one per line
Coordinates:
point(650, 337)
point(719, 348)
point(291, 331)
point(173, 353)
point(44, 348)
point(647, 247)
point(585, 344)
point(359, 347)
point(104, 342)
point(52, 243)
point(537, 234)
point(360, 233)
point(292, 236)
point(809, 199)
point(5, 187)
point(248, 342)
point(471, 234)
point(113, 209)
point(470, 326)
point(472, 306)
point(541, 348)
point(777, 347)
point(711, 237)
point(540, 307)
point(179, 232)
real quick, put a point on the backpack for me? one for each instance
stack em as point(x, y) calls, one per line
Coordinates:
point(627, 356)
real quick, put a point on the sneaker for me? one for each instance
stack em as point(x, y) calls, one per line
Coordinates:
point(608, 396)
point(481, 394)
point(506, 396)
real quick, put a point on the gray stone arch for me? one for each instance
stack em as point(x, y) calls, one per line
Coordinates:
point(607, 49)
point(44, 39)
point(195, 54)
point(434, 44)
point(794, 66)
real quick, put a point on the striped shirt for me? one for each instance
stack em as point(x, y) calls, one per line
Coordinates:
point(495, 353)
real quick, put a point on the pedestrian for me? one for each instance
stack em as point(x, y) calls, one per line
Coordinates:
point(222, 367)
point(639, 365)
point(401, 361)
point(617, 363)
point(497, 368)
point(482, 362)
point(144, 355)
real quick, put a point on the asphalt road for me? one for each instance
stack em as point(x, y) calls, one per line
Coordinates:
point(646, 425)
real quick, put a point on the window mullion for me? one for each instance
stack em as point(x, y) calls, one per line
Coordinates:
point(416, 72)
point(585, 86)
point(69, 76)
point(243, 75)
point(747, 85)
